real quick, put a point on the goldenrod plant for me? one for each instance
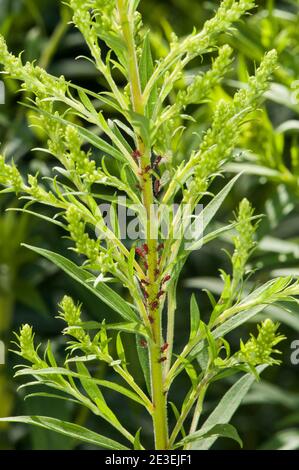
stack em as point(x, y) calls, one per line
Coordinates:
point(129, 163)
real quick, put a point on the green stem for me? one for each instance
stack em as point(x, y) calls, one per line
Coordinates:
point(197, 393)
point(171, 308)
point(156, 365)
point(197, 413)
point(130, 381)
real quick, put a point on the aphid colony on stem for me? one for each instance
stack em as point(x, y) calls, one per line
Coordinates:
point(153, 119)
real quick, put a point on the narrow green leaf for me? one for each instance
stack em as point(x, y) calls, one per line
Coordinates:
point(218, 430)
point(142, 352)
point(137, 444)
point(120, 350)
point(226, 408)
point(105, 293)
point(95, 394)
point(68, 429)
point(210, 211)
point(66, 372)
point(146, 70)
point(194, 317)
point(177, 415)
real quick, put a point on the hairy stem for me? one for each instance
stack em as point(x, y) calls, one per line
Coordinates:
point(197, 393)
point(156, 365)
point(171, 308)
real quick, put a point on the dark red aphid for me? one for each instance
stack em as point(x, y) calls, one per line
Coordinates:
point(147, 169)
point(157, 161)
point(157, 187)
point(145, 294)
point(151, 319)
point(145, 265)
point(145, 248)
point(154, 305)
point(144, 281)
point(136, 154)
point(164, 347)
point(157, 272)
point(162, 359)
point(139, 251)
point(143, 343)
point(160, 247)
point(160, 293)
point(166, 278)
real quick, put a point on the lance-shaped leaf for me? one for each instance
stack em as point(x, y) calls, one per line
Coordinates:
point(68, 429)
point(225, 409)
point(105, 293)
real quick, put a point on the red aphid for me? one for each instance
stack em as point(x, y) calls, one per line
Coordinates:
point(157, 187)
point(154, 305)
point(144, 281)
point(145, 265)
point(147, 169)
point(145, 294)
point(157, 272)
point(164, 347)
point(157, 161)
point(162, 292)
point(145, 248)
point(166, 278)
point(151, 320)
point(136, 154)
point(160, 247)
point(143, 343)
point(139, 251)
point(162, 359)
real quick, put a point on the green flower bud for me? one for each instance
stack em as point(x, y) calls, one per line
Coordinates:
point(10, 176)
point(26, 343)
point(84, 244)
point(259, 350)
point(70, 312)
point(244, 241)
point(81, 160)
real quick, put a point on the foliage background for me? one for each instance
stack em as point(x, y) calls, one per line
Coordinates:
point(31, 287)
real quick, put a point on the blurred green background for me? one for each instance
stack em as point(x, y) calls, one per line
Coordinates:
point(30, 287)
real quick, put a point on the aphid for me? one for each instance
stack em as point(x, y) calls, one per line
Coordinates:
point(144, 281)
point(157, 272)
point(145, 294)
point(145, 248)
point(160, 293)
point(147, 169)
point(139, 251)
point(157, 161)
point(160, 247)
point(166, 278)
point(136, 154)
point(151, 320)
point(145, 265)
point(162, 359)
point(157, 187)
point(143, 343)
point(154, 305)
point(164, 347)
